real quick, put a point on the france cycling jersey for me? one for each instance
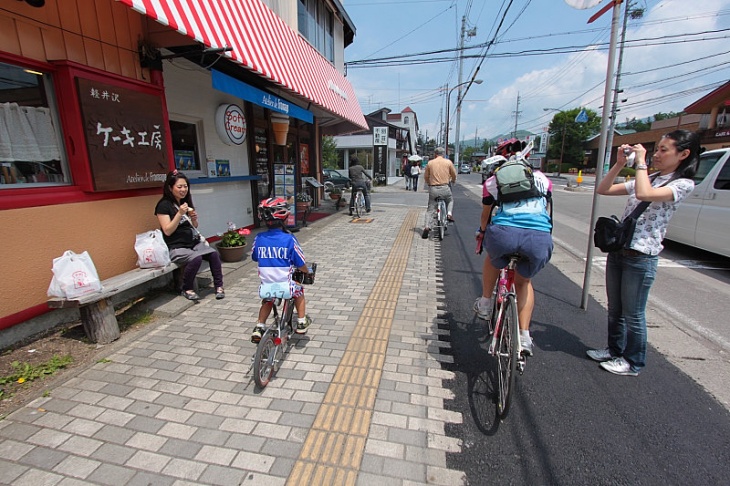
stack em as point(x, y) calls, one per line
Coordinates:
point(277, 253)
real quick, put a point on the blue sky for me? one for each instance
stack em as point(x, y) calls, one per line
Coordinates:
point(675, 54)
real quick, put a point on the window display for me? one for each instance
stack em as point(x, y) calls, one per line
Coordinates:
point(30, 151)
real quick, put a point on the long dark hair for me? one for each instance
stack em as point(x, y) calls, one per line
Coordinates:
point(686, 140)
point(172, 178)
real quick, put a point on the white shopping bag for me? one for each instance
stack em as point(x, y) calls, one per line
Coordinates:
point(74, 275)
point(152, 251)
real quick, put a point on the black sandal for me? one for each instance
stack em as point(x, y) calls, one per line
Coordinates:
point(220, 293)
point(190, 295)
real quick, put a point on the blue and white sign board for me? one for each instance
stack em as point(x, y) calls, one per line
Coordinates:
point(232, 86)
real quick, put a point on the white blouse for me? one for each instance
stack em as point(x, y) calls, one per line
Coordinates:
point(652, 224)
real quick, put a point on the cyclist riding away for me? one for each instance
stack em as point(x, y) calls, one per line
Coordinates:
point(360, 180)
point(438, 176)
point(521, 225)
point(278, 253)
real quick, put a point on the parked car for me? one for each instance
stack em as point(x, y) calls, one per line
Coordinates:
point(336, 178)
point(702, 220)
point(465, 169)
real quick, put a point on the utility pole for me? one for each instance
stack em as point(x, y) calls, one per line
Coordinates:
point(458, 92)
point(517, 115)
point(616, 92)
point(470, 33)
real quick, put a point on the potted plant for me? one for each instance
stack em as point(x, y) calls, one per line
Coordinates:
point(335, 193)
point(232, 245)
point(304, 200)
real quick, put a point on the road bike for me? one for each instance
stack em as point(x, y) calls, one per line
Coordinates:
point(274, 343)
point(440, 221)
point(359, 203)
point(505, 342)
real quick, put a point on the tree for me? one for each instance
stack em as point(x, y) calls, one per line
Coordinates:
point(329, 152)
point(567, 136)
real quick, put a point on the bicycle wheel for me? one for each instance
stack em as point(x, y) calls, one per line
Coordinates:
point(264, 360)
point(359, 204)
point(442, 220)
point(508, 348)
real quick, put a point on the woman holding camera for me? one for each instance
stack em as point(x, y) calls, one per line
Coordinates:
point(179, 222)
point(630, 272)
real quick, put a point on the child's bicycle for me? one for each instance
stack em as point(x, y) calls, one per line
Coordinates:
point(274, 341)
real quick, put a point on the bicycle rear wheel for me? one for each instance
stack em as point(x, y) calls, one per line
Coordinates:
point(359, 204)
point(264, 361)
point(508, 348)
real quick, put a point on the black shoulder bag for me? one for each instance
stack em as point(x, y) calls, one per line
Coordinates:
point(612, 234)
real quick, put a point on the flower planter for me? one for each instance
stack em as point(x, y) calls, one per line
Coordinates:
point(335, 196)
point(303, 206)
point(232, 253)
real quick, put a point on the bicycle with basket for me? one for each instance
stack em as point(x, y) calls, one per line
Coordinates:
point(274, 343)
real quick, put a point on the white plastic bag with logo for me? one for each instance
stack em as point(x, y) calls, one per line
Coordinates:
point(152, 251)
point(74, 275)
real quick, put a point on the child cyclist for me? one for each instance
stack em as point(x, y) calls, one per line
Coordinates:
point(278, 253)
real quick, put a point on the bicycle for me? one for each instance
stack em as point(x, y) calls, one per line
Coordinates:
point(273, 345)
point(505, 342)
point(440, 221)
point(359, 203)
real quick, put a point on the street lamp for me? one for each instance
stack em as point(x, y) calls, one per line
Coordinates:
point(448, 98)
point(562, 147)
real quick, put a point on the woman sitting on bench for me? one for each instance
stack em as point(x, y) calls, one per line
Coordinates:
point(179, 223)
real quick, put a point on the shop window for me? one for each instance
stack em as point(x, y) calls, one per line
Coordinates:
point(185, 146)
point(30, 147)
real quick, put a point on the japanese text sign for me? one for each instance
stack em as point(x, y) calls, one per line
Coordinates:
point(125, 133)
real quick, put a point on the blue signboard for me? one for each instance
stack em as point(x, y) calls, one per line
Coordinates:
point(232, 86)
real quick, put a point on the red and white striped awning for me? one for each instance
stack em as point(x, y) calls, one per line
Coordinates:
point(263, 43)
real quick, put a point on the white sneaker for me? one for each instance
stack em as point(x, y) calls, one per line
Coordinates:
point(599, 355)
point(619, 366)
point(526, 346)
point(483, 311)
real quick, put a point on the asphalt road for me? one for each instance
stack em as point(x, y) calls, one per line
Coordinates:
point(570, 421)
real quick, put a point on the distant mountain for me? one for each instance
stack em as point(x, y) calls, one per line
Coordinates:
point(521, 134)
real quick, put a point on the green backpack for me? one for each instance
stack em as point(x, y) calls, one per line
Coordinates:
point(516, 181)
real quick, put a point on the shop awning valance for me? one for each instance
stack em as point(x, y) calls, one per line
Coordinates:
point(262, 43)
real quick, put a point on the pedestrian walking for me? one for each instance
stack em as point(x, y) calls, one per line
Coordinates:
point(630, 272)
point(406, 171)
point(415, 174)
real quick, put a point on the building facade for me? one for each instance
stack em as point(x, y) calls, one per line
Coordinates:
point(398, 144)
point(99, 100)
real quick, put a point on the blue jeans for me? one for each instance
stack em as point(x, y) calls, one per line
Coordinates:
point(628, 282)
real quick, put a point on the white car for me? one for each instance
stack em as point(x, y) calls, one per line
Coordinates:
point(703, 219)
point(465, 169)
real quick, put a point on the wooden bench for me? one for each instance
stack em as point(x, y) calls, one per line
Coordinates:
point(97, 311)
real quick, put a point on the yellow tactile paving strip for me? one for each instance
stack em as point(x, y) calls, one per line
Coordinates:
point(333, 450)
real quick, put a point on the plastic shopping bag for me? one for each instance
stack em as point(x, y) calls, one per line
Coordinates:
point(74, 275)
point(152, 251)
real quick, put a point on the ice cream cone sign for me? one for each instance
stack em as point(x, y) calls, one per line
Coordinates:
point(579, 179)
